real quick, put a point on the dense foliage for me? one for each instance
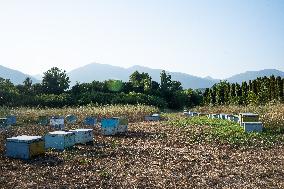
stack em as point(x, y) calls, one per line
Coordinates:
point(256, 92)
point(54, 91)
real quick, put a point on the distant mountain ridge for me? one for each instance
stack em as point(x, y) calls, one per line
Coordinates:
point(101, 72)
point(250, 75)
point(15, 76)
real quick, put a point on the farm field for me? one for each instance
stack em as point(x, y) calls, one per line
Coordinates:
point(177, 152)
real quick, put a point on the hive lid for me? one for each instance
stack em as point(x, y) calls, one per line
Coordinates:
point(78, 130)
point(24, 138)
point(60, 133)
point(57, 117)
point(248, 114)
point(155, 115)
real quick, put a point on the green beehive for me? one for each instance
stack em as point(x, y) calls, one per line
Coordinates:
point(248, 117)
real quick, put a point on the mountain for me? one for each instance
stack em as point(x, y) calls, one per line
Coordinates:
point(250, 75)
point(101, 72)
point(16, 77)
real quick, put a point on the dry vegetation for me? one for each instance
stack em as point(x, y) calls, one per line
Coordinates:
point(167, 154)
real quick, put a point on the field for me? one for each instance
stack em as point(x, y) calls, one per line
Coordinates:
point(177, 152)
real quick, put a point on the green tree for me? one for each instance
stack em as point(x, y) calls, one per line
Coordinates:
point(55, 81)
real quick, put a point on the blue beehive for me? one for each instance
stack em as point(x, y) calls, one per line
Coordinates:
point(11, 120)
point(109, 126)
point(43, 120)
point(153, 117)
point(59, 140)
point(252, 126)
point(71, 119)
point(24, 147)
point(91, 121)
point(83, 136)
point(193, 114)
point(57, 122)
point(3, 122)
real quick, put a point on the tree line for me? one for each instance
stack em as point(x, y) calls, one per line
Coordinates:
point(55, 91)
point(257, 92)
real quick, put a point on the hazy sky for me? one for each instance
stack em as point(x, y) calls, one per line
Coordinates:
point(200, 37)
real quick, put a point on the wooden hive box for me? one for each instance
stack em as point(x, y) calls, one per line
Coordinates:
point(202, 114)
point(248, 117)
point(59, 140)
point(83, 136)
point(122, 126)
point(90, 121)
point(11, 120)
point(252, 126)
point(153, 117)
point(24, 147)
point(43, 120)
point(193, 114)
point(57, 122)
point(109, 126)
point(71, 119)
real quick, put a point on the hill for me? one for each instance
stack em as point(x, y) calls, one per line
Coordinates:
point(15, 76)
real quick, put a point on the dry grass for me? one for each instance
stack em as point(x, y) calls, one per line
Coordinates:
point(151, 155)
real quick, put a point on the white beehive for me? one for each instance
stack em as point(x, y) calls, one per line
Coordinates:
point(24, 147)
point(59, 140)
point(57, 122)
point(153, 117)
point(83, 136)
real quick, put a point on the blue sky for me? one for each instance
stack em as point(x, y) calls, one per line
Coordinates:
point(199, 37)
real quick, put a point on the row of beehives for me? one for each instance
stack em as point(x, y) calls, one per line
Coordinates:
point(249, 121)
point(58, 121)
point(26, 147)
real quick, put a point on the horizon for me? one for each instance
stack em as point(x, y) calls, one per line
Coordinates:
point(201, 38)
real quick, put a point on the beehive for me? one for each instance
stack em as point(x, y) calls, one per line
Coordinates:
point(185, 112)
point(253, 126)
point(11, 120)
point(59, 140)
point(193, 114)
point(230, 117)
point(91, 121)
point(202, 114)
point(43, 120)
point(3, 122)
point(222, 116)
point(83, 136)
point(24, 147)
point(212, 116)
point(248, 117)
point(57, 122)
point(122, 126)
point(71, 119)
point(109, 126)
point(153, 117)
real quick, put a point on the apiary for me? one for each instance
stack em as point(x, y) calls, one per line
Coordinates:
point(59, 140)
point(91, 121)
point(43, 120)
point(248, 117)
point(71, 119)
point(109, 126)
point(57, 122)
point(11, 120)
point(24, 147)
point(83, 136)
point(122, 126)
point(153, 117)
point(253, 126)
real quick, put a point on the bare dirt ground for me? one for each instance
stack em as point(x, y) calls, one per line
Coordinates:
point(151, 155)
